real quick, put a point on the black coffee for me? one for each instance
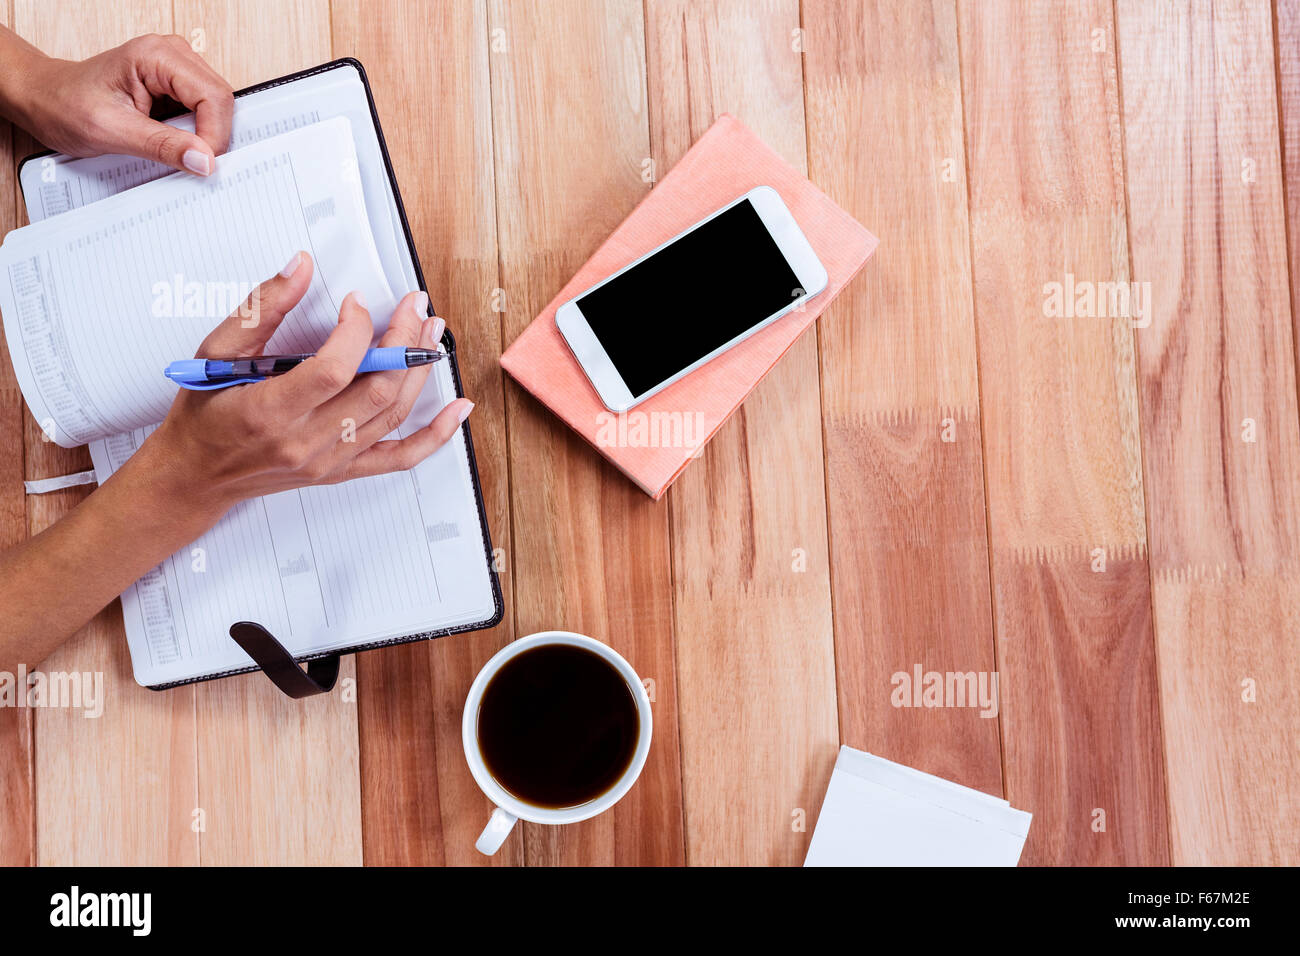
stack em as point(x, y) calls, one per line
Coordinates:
point(557, 726)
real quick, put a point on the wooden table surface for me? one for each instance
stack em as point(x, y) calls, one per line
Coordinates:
point(1105, 510)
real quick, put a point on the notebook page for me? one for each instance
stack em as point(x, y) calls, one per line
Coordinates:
point(55, 184)
point(321, 568)
point(98, 300)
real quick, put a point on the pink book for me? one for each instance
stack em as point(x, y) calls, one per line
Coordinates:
point(653, 442)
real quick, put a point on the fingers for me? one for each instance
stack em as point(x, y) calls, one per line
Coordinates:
point(398, 455)
point(185, 76)
point(412, 384)
point(168, 67)
point(135, 134)
point(247, 329)
point(213, 106)
point(373, 397)
point(334, 365)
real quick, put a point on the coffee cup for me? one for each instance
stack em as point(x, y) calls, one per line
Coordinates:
point(556, 729)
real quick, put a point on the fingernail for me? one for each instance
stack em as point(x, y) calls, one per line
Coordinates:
point(439, 326)
point(465, 410)
point(292, 266)
point(421, 304)
point(358, 298)
point(197, 161)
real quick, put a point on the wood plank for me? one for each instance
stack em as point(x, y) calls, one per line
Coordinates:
point(752, 583)
point(121, 788)
point(17, 808)
point(900, 387)
point(278, 779)
point(591, 550)
point(248, 42)
point(1207, 213)
point(1286, 46)
point(428, 70)
point(1080, 716)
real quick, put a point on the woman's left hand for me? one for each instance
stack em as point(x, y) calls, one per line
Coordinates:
point(101, 105)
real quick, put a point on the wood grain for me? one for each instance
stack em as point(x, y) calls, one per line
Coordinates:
point(591, 551)
point(755, 650)
point(119, 788)
point(900, 389)
point(248, 41)
point(428, 69)
point(1219, 416)
point(17, 807)
point(1080, 716)
point(1286, 34)
point(288, 794)
point(996, 147)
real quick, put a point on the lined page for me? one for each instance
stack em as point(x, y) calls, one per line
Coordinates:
point(321, 568)
point(58, 187)
point(99, 300)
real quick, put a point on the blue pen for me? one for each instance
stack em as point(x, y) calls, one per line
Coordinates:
point(203, 374)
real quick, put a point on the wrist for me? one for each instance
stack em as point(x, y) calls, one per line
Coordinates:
point(21, 83)
point(173, 501)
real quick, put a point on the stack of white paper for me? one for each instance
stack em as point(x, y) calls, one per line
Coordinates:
point(880, 813)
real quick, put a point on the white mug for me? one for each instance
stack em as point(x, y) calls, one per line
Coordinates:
point(510, 808)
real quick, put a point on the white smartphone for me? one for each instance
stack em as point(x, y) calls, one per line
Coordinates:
point(688, 301)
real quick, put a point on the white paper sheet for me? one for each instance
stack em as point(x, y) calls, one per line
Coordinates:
point(880, 813)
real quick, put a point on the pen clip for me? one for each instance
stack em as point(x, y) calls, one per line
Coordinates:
point(208, 386)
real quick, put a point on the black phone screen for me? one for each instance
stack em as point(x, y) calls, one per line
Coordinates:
point(692, 296)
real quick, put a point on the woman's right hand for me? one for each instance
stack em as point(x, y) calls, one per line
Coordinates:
point(317, 424)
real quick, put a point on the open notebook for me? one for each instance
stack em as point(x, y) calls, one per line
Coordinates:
point(126, 266)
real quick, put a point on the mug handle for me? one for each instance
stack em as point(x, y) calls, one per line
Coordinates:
point(494, 834)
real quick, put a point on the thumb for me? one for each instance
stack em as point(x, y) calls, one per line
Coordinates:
point(138, 135)
point(251, 326)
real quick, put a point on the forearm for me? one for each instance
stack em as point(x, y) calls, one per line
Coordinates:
point(54, 583)
point(18, 63)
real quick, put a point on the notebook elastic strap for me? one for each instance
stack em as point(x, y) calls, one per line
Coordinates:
point(278, 664)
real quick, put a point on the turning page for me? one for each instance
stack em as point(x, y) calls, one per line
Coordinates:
point(97, 301)
point(52, 185)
